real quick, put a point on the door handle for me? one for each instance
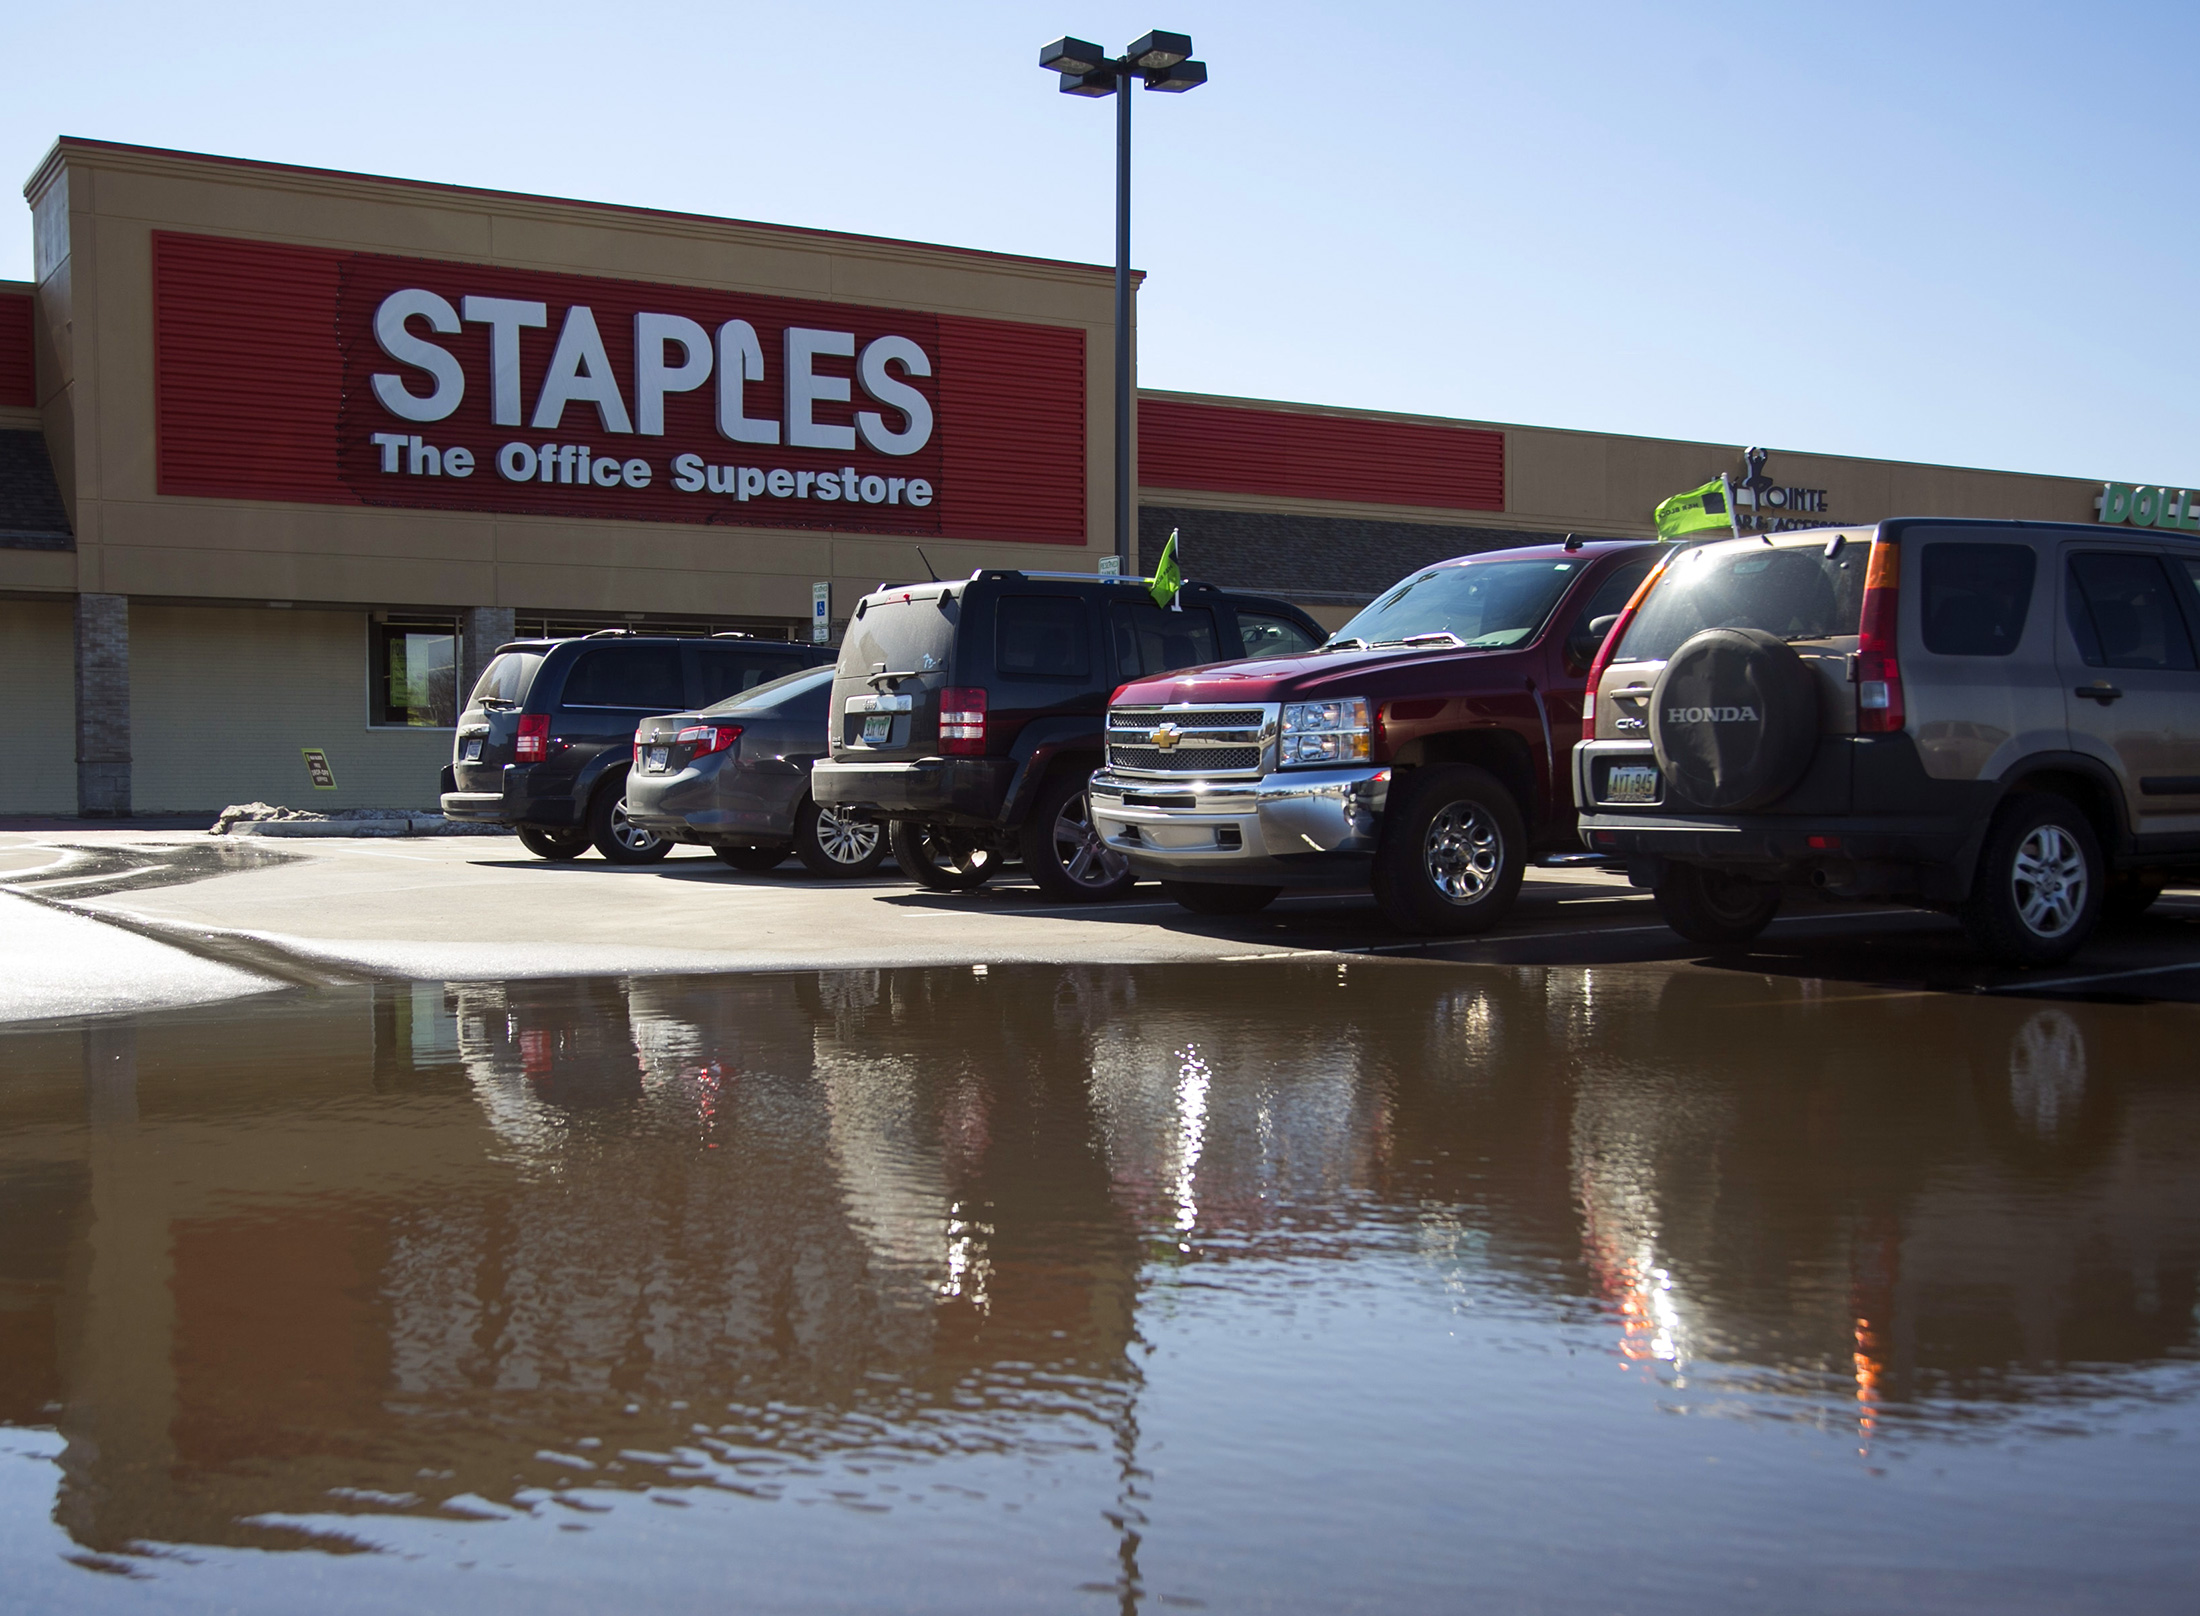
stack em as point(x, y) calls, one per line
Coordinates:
point(2100, 691)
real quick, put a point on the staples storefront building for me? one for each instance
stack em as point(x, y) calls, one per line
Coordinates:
point(285, 453)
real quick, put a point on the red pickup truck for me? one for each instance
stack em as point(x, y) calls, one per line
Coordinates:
point(1422, 751)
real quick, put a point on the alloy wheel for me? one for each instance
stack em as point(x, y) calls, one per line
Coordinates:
point(1084, 857)
point(846, 838)
point(630, 835)
point(2048, 880)
point(1462, 853)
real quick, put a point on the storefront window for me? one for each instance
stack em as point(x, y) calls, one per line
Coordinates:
point(413, 672)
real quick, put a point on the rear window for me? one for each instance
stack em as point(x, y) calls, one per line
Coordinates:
point(1485, 605)
point(1043, 637)
point(788, 691)
point(728, 672)
point(896, 634)
point(1796, 592)
point(1150, 640)
point(1976, 597)
point(507, 677)
point(627, 676)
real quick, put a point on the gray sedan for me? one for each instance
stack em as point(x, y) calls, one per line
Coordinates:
point(736, 778)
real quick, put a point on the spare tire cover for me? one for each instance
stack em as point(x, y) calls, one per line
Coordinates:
point(1734, 718)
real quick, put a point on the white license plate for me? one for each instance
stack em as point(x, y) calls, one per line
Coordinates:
point(877, 727)
point(472, 753)
point(1631, 782)
point(657, 759)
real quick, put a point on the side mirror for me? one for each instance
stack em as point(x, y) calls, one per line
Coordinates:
point(1582, 649)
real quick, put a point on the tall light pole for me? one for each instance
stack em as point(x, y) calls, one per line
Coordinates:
point(1162, 62)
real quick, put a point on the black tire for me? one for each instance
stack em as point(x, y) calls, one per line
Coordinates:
point(753, 859)
point(613, 835)
point(1064, 853)
point(1218, 898)
point(1734, 720)
point(2037, 893)
point(837, 842)
point(1453, 852)
point(942, 857)
point(558, 845)
point(2130, 895)
point(1716, 908)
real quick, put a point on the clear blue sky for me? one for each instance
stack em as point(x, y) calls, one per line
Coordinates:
point(1955, 232)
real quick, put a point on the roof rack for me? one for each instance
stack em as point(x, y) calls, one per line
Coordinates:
point(1013, 574)
point(606, 633)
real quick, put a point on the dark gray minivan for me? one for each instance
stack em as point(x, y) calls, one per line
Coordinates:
point(547, 736)
point(736, 778)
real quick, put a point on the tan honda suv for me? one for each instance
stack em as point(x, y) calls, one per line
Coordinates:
point(2000, 720)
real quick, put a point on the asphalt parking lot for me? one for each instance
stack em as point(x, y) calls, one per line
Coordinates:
point(118, 919)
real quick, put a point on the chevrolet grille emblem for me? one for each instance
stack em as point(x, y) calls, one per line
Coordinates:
point(1166, 736)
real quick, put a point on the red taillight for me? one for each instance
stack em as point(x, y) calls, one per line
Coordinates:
point(708, 738)
point(962, 721)
point(1611, 644)
point(533, 744)
point(1878, 672)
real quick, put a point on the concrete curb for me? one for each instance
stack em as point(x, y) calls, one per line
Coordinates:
point(407, 825)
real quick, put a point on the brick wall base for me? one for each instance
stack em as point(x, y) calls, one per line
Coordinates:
point(483, 630)
point(103, 706)
point(1309, 558)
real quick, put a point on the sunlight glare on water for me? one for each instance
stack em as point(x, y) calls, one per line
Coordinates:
point(1282, 1286)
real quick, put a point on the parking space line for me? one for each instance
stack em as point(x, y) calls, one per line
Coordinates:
point(2098, 976)
point(380, 852)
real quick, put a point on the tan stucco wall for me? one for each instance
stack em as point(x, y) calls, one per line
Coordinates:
point(223, 700)
point(96, 208)
point(1603, 485)
point(37, 707)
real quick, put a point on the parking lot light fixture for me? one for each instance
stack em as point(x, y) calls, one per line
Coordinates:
point(1158, 50)
point(1161, 61)
point(1179, 78)
point(1073, 57)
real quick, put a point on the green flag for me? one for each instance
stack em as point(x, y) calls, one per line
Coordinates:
point(1700, 510)
point(1168, 577)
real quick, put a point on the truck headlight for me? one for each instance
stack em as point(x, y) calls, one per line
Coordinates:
point(1324, 732)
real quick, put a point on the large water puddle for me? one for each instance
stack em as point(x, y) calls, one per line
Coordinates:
point(1275, 1287)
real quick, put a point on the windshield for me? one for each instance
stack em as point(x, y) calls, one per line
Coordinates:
point(507, 677)
point(1796, 592)
point(1485, 605)
point(773, 691)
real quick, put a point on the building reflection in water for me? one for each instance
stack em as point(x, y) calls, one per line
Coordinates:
point(374, 1250)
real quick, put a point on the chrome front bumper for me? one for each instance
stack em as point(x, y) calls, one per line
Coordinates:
point(1294, 827)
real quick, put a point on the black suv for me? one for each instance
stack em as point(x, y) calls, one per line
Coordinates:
point(970, 713)
point(547, 737)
